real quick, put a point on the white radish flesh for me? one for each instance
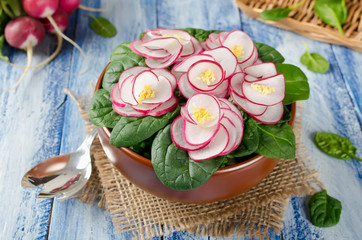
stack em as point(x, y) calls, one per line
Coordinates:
point(125, 89)
point(195, 135)
point(239, 39)
point(127, 111)
point(185, 87)
point(165, 107)
point(225, 58)
point(272, 115)
point(138, 48)
point(263, 70)
point(247, 106)
point(188, 62)
point(198, 75)
point(116, 97)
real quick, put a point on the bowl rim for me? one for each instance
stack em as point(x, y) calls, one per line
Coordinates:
point(145, 161)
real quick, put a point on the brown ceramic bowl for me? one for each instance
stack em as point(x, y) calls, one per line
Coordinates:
point(223, 184)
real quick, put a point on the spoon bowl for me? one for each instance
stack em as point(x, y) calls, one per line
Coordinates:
point(62, 176)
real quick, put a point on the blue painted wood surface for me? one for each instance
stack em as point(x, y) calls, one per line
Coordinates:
point(38, 120)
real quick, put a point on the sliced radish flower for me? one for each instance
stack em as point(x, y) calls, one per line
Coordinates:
point(247, 106)
point(147, 93)
point(225, 58)
point(162, 63)
point(168, 75)
point(138, 48)
point(203, 136)
point(188, 62)
point(204, 109)
point(236, 82)
point(231, 130)
point(185, 115)
point(262, 70)
point(240, 44)
point(205, 75)
point(272, 115)
point(231, 106)
point(185, 87)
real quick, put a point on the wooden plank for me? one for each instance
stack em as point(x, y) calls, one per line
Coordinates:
point(72, 219)
point(328, 109)
point(31, 119)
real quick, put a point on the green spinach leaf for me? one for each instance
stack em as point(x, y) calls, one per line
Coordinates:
point(2, 56)
point(296, 83)
point(314, 61)
point(336, 146)
point(115, 69)
point(276, 14)
point(332, 12)
point(130, 131)
point(103, 26)
point(200, 34)
point(101, 112)
point(276, 141)
point(250, 141)
point(173, 166)
point(268, 54)
point(325, 211)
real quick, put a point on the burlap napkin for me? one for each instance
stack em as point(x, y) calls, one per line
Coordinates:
point(252, 213)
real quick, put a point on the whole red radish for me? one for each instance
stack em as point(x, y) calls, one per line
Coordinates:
point(40, 8)
point(60, 17)
point(69, 5)
point(24, 33)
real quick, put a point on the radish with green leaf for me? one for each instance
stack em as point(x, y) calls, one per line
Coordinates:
point(45, 9)
point(24, 33)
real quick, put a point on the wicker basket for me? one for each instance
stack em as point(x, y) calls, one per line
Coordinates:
point(304, 21)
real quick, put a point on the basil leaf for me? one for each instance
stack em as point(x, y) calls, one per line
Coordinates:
point(101, 112)
point(296, 83)
point(268, 54)
point(314, 61)
point(173, 166)
point(325, 211)
point(2, 56)
point(102, 26)
point(115, 69)
point(275, 14)
point(250, 141)
point(332, 12)
point(336, 146)
point(276, 141)
point(130, 131)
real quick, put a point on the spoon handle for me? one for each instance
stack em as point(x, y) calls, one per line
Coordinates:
point(87, 143)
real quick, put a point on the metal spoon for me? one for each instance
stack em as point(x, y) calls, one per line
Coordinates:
point(64, 175)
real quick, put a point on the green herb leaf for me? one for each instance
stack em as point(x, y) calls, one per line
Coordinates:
point(173, 166)
point(275, 14)
point(200, 34)
point(102, 26)
point(296, 83)
point(130, 131)
point(336, 146)
point(101, 112)
point(276, 141)
point(4, 19)
point(268, 54)
point(115, 69)
point(332, 12)
point(250, 141)
point(2, 56)
point(325, 210)
point(314, 61)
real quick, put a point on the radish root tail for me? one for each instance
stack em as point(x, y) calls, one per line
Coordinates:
point(51, 20)
point(49, 59)
point(93, 9)
point(29, 51)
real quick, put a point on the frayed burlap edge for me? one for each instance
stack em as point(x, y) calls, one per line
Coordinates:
point(252, 213)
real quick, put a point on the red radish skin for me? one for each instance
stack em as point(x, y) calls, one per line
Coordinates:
point(24, 33)
point(40, 8)
point(69, 5)
point(60, 17)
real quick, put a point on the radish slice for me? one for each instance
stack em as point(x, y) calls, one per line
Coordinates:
point(203, 45)
point(116, 97)
point(222, 36)
point(145, 108)
point(185, 115)
point(187, 50)
point(188, 62)
point(251, 60)
point(263, 70)
point(240, 44)
point(196, 135)
point(208, 102)
point(236, 82)
point(247, 106)
point(126, 90)
point(202, 69)
point(131, 71)
point(274, 88)
point(165, 107)
point(238, 122)
point(185, 87)
point(214, 148)
point(225, 58)
point(231, 106)
point(171, 45)
point(182, 36)
point(231, 130)
point(161, 63)
point(197, 45)
point(177, 136)
point(258, 61)
point(272, 115)
point(127, 111)
point(168, 75)
point(138, 48)
point(211, 45)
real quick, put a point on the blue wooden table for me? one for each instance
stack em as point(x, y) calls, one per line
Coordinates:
point(39, 121)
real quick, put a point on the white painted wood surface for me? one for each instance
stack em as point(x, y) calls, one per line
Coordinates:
point(39, 121)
